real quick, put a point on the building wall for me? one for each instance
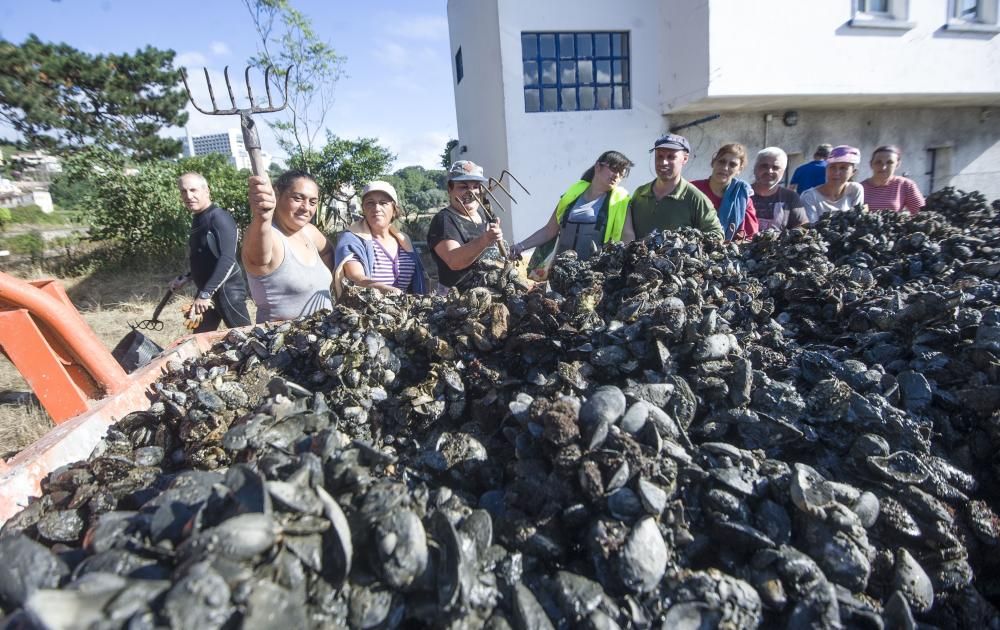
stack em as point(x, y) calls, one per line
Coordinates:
point(971, 136)
point(923, 87)
point(547, 151)
point(479, 98)
point(816, 52)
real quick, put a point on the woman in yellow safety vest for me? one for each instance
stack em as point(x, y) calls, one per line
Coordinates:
point(590, 213)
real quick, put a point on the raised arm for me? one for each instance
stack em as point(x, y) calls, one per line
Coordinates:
point(262, 252)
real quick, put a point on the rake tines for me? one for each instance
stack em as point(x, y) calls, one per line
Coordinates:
point(254, 108)
point(516, 180)
point(250, 139)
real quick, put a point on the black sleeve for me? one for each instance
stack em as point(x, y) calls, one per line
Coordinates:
point(442, 228)
point(223, 229)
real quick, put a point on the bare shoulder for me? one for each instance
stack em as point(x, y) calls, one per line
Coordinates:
point(316, 236)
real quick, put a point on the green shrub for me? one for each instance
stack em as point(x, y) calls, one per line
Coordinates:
point(5, 218)
point(30, 243)
point(140, 214)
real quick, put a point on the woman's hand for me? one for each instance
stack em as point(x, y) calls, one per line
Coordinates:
point(517, 251)
point(262, 199)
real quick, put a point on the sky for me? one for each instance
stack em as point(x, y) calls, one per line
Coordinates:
point(398, 78)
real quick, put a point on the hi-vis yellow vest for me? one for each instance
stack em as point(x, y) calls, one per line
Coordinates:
point(617, 206)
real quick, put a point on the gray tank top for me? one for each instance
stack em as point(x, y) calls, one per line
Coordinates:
point(293, 289)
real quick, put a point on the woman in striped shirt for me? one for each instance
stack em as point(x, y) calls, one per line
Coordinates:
point(884, 190)
point(373, 252)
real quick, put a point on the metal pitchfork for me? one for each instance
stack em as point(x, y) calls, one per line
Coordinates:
point(250, 138)
point(491, 185)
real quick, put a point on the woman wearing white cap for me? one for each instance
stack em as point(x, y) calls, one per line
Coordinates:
point(839, 192)
point(373, 252)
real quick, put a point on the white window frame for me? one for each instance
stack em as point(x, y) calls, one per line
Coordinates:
point(897, 17)
point(985, 21)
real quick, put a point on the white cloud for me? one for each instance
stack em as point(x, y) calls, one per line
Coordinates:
point(425, 27)
point(413, 149)
point(220, 49)
point(190, 59)
point(406, 59)
point(393, 54)
point(423, 149)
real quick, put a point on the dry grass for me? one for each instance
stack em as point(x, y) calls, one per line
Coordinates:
point(108, 301)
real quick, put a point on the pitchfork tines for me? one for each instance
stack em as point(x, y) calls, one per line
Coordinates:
point(250, 138)
point(254, 108)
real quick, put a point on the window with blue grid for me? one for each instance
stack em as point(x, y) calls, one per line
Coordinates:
point(568, 72)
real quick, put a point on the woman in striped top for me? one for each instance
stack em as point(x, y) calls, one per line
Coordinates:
point(373, 253)
point(884, 190)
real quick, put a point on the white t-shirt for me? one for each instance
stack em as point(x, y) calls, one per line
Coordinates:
point(817, 205)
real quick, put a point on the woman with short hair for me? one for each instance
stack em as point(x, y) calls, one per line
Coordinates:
point(730, 195)
point(373, 252)
point(839, 193)
point(885, 190)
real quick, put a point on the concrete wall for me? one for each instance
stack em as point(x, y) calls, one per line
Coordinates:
point(776, 48)
point(479, 98)
point(971, 134)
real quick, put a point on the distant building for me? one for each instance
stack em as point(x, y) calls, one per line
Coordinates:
point(542, 88)
point(13, 196)
point(36, 162)
point(229, 144)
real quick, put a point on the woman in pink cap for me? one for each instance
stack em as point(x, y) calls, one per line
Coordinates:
point(839, 192)
point(884, 190)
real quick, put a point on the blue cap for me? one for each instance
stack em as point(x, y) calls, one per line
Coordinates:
point(672, 141)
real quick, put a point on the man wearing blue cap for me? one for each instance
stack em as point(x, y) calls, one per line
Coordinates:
point(461, 234)
point(669, 202)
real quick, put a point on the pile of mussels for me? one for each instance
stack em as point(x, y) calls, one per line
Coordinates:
point(802, 431)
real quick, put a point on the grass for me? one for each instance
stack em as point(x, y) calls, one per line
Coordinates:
point(33, 215)
point(108, 301)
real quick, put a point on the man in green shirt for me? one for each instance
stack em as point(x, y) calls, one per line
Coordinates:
point(669, 202)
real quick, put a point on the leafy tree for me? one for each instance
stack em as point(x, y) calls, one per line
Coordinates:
point(446, 155)
point(420, 189)
point(341, 168)
point(58, 97)
point(315, 69)
point(139, 211)
point(68, 193)
point(274, 171)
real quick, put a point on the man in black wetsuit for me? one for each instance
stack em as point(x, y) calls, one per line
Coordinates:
point(222, 292)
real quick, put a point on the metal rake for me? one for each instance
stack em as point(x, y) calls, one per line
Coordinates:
point(250, 138)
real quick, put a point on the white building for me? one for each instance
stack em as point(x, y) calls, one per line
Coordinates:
point(37, 163)
point(229, 144)
point(542, 88)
